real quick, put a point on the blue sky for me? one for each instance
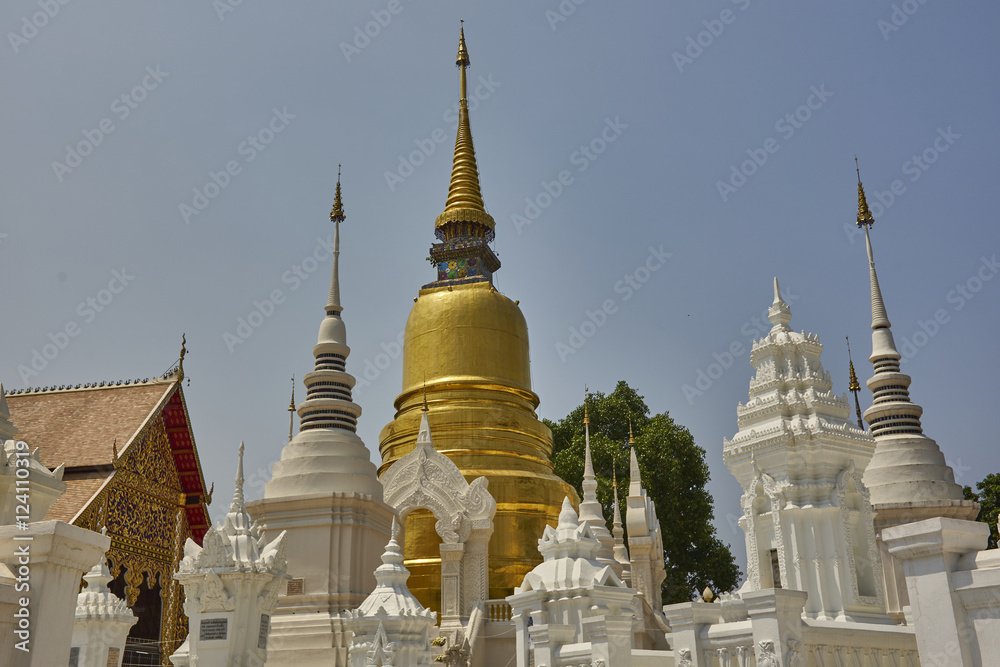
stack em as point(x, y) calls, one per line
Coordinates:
point(722, 133)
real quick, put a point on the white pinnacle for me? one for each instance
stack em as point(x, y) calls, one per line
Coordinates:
point(327, 455)
point(907, 466)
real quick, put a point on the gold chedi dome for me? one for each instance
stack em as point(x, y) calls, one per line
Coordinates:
point(465, 352)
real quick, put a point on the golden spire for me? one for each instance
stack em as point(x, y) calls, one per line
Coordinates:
point(291, 405)
point(586, 415)
point(864, 214)
point(337, 214)
point(465, 199)
point(631, 440)
point(854, 386)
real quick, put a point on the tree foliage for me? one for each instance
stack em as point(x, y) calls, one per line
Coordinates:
point(988, 498)
point(674, 474)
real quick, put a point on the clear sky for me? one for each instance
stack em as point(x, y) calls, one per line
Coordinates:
point(721, 133)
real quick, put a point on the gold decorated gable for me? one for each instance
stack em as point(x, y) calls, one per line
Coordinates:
point(143, 509)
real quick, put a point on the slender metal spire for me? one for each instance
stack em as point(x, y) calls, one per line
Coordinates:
point(855, 386)
point(336, 217)
point(465, 198)
point(880, 319)
point(291, 411)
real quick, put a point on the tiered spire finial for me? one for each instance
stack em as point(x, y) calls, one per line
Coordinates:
point(880, 319)
point(465, 198)
point(239, 504)
point(336, 217)
point(865, 218)
point(854, 386)
point(591, 510)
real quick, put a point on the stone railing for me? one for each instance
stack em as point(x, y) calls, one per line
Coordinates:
point(497, 611)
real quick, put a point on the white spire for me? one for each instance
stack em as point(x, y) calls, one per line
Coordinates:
point(328, 402)
point(391, 596)
point(880, 318)
point(591, 510)
point(618, 549)
point(327, 455)
point(779, 313)
point(907, 466)
point(424, 434)
point(635, 477)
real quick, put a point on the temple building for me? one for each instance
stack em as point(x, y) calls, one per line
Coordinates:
point(131, 468)
point(466, 349)
point(462, 547)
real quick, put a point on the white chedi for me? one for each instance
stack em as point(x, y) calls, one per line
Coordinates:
point(806, 513)
point(231, 587)
point(101, 623)
point(572, 605)
point(391, 627)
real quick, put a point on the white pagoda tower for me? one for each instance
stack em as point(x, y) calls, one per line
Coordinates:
point(806, 513)
point(325, 494)
point(908, 477)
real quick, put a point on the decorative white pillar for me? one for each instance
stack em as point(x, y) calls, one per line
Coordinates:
point(102, 622)
point(231, 587)
point(51, 556)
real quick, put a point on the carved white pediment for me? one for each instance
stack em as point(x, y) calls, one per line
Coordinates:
point(427, 479)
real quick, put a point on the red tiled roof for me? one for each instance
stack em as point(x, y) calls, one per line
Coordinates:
point(78, 426)
point(79, 491)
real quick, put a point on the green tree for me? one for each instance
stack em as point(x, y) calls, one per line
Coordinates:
point(674, 474)
point(988, 498)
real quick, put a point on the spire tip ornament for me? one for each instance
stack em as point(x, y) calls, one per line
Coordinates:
point(854, 386)
point(865, 218)
point(337, 214)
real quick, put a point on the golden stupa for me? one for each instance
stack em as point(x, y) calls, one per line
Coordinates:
point(466, 351)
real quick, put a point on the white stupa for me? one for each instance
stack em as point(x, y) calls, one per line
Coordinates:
point(908, 477)
point(326, 495)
